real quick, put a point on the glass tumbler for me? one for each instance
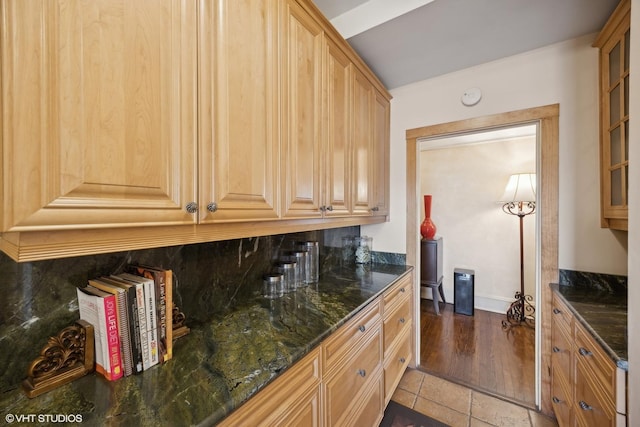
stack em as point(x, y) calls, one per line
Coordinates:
point(288, 271)
point(313, 261)
point(300, 258)
point(272, 285)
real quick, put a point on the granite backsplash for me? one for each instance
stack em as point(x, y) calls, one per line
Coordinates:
point(598, 282)
point(39, 298)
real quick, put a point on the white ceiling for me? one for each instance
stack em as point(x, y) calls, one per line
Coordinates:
point(404, 41)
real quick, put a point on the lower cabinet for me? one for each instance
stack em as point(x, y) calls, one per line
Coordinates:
point(588, 389)
point(292, 399)
point(349, 378)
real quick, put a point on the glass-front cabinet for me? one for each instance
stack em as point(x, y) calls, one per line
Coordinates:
point(613, 42)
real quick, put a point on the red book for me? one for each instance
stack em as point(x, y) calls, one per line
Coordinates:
point(99, 309)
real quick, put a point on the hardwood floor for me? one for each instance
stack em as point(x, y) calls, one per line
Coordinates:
point(475, 351)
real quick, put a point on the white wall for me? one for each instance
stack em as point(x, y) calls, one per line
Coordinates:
point(466, 183)
point(634, 220)
point(564, 73)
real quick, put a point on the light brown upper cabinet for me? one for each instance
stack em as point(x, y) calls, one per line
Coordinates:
point(338, 147)
point(98, 113)
point(613, 42)
point(302, 118)
point(362, 139)
point(317, 144)
point(130, 125)
point(239, 120)
point(380, 149)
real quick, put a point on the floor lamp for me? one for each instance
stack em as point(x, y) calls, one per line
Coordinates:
point(519, 199)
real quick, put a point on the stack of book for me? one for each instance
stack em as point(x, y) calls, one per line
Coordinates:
point(131, 314)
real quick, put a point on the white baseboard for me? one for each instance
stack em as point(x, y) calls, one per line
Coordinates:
point(493, 303)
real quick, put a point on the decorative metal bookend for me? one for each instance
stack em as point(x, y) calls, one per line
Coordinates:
point(179, 327)
point(66, 357)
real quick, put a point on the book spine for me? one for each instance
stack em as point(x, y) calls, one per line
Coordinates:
point(161, 302)
point(169, 313)
point(142, 319)
point(134, 331)
point(125, 334)
point(152, 321)
point(112, 337)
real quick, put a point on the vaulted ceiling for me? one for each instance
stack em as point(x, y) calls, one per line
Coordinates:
point(404, 41)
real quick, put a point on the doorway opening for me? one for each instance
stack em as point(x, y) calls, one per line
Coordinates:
point(477, 237)
point(546, 120)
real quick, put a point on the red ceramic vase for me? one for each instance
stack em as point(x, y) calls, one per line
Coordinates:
point(427, 228)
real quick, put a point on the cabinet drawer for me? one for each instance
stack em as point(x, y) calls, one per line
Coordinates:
point(394, 324)
point(595, 360)
point(561, 314)
point(562, 352)
point(338, 345)
point(396, 363)
point(590, 406)
point(561, 398)
point(395, 294)
point(344, 387)
point(370, 413)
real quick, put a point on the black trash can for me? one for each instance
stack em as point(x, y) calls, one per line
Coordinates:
point(463, 281)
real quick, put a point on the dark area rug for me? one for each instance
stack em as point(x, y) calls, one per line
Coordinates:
point(397, 415)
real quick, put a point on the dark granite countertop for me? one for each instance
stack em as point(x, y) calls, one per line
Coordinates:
point(604, 316)
point(222, 363)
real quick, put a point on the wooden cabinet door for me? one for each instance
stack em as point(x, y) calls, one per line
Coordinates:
point(614, 44)
point(301, 156)
point(381, 136)
point(337, 151)
point(98, 113)
point(362, 144)
point(239, 130)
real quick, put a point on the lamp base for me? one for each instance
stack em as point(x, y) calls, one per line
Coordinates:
point(520, 312)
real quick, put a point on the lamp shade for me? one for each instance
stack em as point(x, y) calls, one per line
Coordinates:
point(520, 188)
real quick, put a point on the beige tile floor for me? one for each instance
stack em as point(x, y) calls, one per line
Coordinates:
point(460, 406)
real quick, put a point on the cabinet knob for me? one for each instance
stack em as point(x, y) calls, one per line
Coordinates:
point(362, 328)
point(375, 209)
point(322, 208)
point(362, 373)
point(556, 349)
point(329, 208)
point(584, 352)
point(212, 207)
point(556, 400)
point(402, 290)
point(402, 360)
point(402, 320)
point(585, 406)
point(556, 311)
point(192, 207)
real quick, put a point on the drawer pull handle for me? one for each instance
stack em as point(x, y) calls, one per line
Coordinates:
point(362, 328)
point(402, 360)
point(556, 311)
point(556, 400)
point(585, 406)
point(402, 290)
point(556, 349)
point(402, 320)
point(362, 373)
point(584, 352)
